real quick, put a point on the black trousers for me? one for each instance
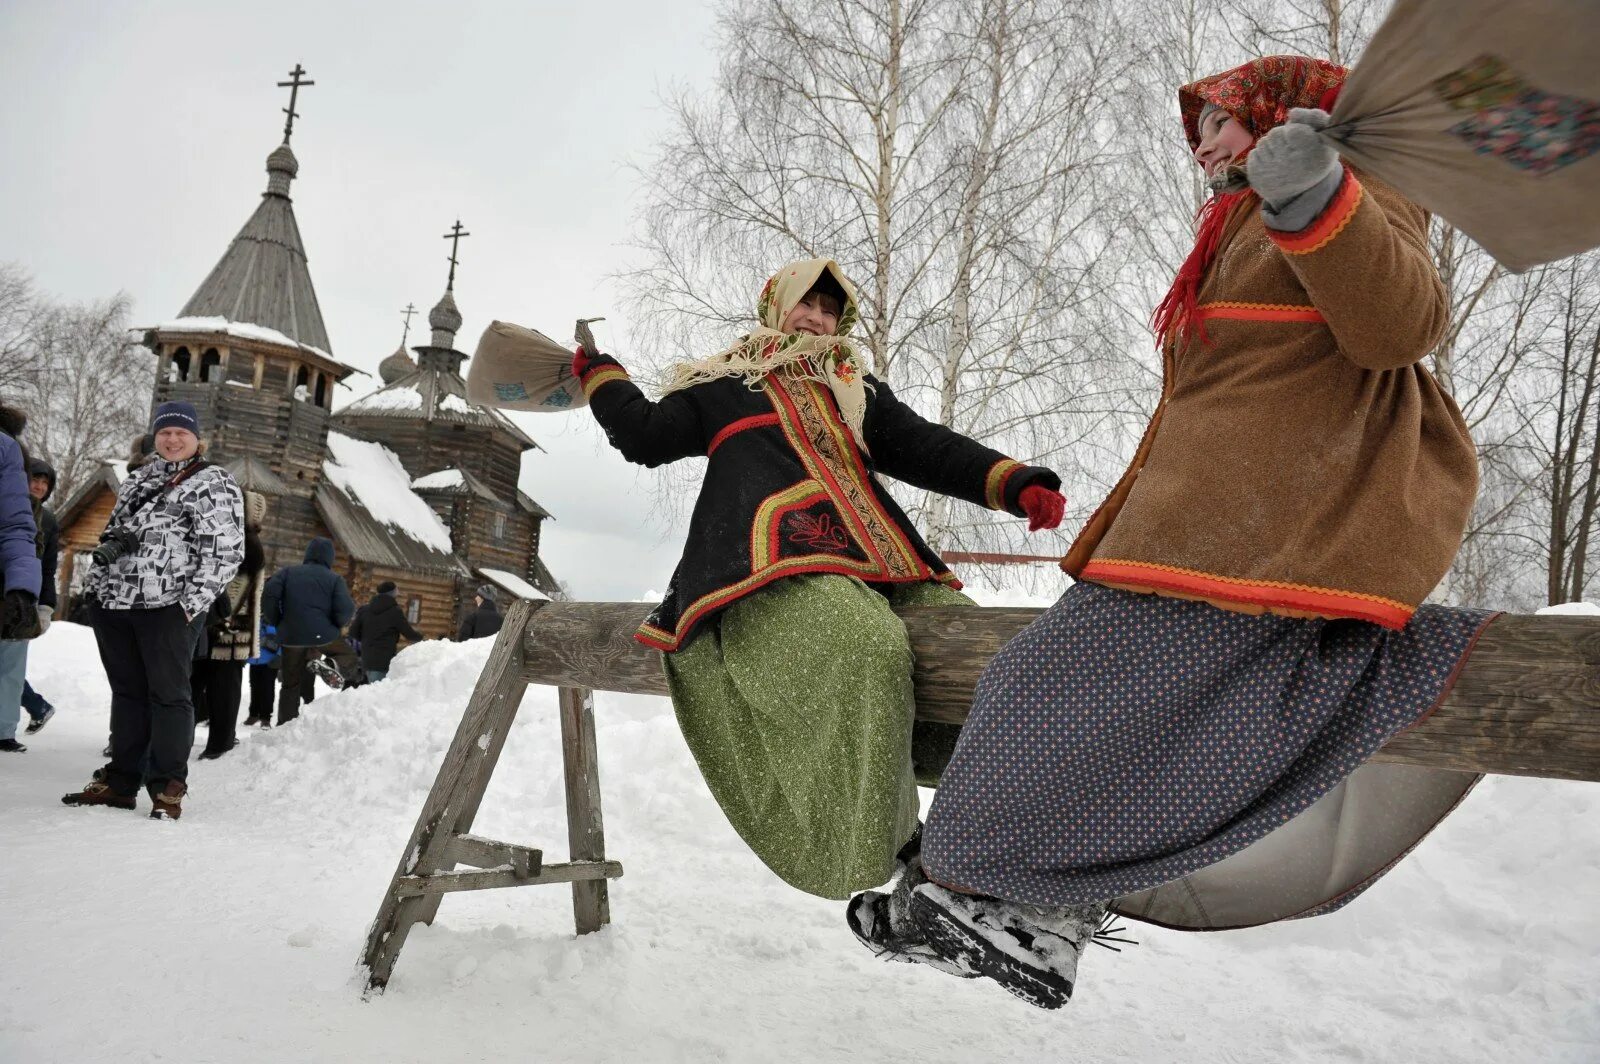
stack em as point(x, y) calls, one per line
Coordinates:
point(220, 684)
point(296, 680)
point(147, 655)
point(263, 691)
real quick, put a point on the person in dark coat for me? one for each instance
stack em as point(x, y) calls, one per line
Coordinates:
point(41, 484)
point(378, 627)
point(233, 637)
point(484, 620)
point(309, 604)
point(20, 575)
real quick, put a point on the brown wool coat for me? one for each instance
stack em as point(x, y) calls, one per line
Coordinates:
point(1302, 461)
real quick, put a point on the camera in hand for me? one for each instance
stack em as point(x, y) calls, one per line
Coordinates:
point(114, 543)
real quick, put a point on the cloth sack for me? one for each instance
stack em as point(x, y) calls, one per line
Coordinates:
point(516, 368)
point(1486, 112)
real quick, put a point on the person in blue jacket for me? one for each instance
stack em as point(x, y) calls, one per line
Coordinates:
point(263, 678)
point(309, 604)
point(20, 575)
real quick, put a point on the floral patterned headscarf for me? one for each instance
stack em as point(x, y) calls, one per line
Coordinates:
point(1260, 95)
point(832, 360)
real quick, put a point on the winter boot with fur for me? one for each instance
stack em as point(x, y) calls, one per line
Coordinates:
point(1031, 951)
point(98, 792)
point(167, 803)
point(881, 921)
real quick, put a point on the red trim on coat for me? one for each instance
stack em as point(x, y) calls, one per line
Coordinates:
point(840, 500)
point(847, 442)
point(1325, 601)
point(1329, 224)
point(690, 618)
point(733, 428)
point(1258, 312)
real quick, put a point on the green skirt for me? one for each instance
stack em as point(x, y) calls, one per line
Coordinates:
point(797, 705)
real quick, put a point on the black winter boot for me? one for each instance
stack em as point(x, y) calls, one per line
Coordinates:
point(1031, 951)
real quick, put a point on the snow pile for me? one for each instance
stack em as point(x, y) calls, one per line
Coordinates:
point(455, 404)
point(243, 329)
point(372, 474)
point(443, 480)
point(1572, 609)
point(250, 913)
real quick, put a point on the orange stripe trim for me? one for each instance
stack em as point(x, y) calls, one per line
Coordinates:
point(1379, 610)
point(1330, 224)
point(742, 425)
point(601, 377)
point(1257, 312)
point(660, 639)
point(994, 485)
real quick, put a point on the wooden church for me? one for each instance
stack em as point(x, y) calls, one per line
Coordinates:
point(412, 483)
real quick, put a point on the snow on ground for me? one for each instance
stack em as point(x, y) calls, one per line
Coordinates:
point(231, 936)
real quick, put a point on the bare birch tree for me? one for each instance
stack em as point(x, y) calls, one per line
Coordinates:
point(944, 154)
point(19, 363)
point(91, 394)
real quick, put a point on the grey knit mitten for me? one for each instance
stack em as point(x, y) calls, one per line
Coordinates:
point(1295, 170)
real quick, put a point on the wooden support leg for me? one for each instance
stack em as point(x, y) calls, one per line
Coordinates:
point(586, 836)
point(472, 799)
point(460, 785)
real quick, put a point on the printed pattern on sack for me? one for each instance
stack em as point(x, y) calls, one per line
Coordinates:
point(1526, 127)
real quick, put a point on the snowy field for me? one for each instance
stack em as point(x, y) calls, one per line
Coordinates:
point(232, 936)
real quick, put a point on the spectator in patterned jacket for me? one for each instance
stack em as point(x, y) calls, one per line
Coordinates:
point(174, 540)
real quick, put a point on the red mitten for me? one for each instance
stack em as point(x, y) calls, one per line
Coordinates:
point(1043, 506)
point(580, 362)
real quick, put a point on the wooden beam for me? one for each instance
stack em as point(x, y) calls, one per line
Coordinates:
point(1526, 704)
point(478, 852)
point(574, 872)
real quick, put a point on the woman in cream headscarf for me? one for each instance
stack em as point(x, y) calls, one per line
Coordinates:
point(789, 670)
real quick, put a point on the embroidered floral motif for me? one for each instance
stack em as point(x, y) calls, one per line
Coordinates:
point(510, 392)
point(817, 531)
point(1526, 127)
point(843, 368)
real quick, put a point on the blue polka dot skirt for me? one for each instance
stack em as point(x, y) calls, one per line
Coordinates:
point(1125, 740)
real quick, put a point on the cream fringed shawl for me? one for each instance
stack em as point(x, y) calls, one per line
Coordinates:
point(831, 360)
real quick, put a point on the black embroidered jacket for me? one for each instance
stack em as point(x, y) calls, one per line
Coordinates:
point(787, 490)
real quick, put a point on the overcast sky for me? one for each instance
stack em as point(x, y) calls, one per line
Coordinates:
point(136, 135)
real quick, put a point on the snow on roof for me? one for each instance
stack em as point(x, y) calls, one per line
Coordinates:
point(456, 404)
point(385, 399)
point(372, 475)
point(444, 478)
point(119, 468)
point(242, 329)
point(514, 584)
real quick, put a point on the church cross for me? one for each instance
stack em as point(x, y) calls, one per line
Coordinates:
point(293, 86)
point(454, 236)
point(411, 308)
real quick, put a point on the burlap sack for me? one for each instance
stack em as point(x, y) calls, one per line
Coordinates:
point(522, 369)
point(1486, 112)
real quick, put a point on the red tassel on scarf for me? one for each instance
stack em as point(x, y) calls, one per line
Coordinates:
point(1174, 317)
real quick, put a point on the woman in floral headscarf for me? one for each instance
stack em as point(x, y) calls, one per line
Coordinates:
point(1183, 738)
point(790, 673)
